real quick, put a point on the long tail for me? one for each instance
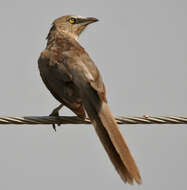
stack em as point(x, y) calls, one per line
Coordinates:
point(111, 137)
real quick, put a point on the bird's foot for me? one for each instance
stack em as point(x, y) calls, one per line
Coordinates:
point(55, 113)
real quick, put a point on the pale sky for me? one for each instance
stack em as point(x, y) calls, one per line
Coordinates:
point(140, 49)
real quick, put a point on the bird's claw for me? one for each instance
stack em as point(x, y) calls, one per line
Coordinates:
point(54, 127)
point(55, 113)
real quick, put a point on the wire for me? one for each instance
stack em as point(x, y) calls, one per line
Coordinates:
point(76, 120)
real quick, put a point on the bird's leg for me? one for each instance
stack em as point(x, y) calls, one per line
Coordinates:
point(55, 113)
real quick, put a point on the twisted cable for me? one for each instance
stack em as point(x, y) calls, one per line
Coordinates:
point(76, 120)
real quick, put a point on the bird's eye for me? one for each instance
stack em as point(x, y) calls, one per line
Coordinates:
point(72, 20)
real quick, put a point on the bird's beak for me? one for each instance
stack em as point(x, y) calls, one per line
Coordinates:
point(88, 20)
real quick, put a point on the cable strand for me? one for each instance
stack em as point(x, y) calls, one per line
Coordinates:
point(34, 120)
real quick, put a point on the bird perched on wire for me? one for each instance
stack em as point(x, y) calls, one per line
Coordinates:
point(74, 80)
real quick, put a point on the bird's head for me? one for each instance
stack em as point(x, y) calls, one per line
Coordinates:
point(72, 25)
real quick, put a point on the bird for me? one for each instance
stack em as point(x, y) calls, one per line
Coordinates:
point(75, 81)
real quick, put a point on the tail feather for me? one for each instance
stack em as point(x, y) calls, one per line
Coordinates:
point(118, 142)
point(112, 153)
point(111, 137)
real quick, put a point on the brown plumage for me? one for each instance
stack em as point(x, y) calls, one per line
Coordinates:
point(74, 80)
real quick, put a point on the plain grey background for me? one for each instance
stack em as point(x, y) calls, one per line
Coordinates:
point(140, 48)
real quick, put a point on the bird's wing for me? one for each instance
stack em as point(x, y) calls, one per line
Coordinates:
point(87, 79)
point(81, 65)
point(59, 81)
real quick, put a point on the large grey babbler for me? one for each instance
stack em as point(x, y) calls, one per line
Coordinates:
point(74, 80)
